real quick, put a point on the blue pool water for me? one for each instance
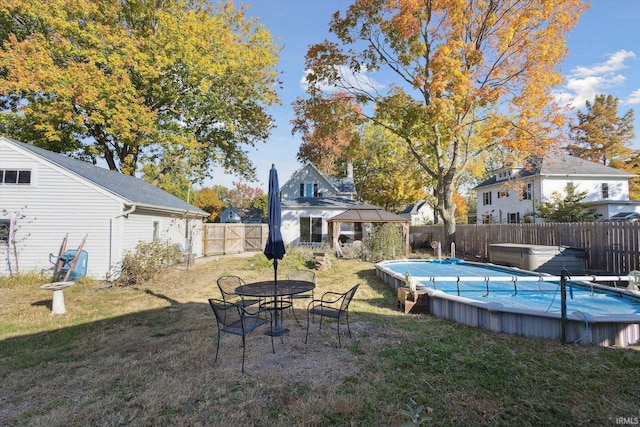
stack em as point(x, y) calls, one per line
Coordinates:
point(537, 295)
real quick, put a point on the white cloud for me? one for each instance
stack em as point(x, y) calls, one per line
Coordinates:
point(616, 62)
point(634, 98)
point(358, 81)
point(585, 82)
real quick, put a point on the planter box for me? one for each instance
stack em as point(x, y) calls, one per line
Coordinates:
point(407, 304)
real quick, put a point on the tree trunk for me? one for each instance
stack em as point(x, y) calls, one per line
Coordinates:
point(447, 210)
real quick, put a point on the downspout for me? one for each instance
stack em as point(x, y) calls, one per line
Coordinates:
point(125, 214)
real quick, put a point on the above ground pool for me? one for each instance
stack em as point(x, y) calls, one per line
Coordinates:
point(511, 300)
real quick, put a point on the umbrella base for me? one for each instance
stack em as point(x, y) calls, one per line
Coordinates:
point(277, 332)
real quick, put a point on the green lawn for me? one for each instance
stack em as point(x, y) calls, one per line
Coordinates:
point(144, 355)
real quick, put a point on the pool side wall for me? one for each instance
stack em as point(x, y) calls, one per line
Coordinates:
point(605, 331)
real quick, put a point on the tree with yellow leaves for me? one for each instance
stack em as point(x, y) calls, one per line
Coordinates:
point(167, 87)
point(470, 75)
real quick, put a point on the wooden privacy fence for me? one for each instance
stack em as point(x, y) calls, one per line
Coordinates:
point(612, 247)
point(219, 239)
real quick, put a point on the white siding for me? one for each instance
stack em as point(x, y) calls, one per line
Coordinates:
point(57, 203)
point(139, 227)
point(618, 188)
point(543, 189)
point(53, 205)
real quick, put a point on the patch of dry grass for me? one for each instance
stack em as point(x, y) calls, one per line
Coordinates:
point(144, 356)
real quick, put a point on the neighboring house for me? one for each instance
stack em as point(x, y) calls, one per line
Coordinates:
point(51, 195)
point(244, 216)
point(309, 200)
point(420, 213)
point(509, 195)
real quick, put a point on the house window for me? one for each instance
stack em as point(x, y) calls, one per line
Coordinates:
point(156, 230)
point(486, 198)
point(4, 230)
point(487, 219)
point(513, 218)
point(527, 192)
point(308, 189)
point(310, 230)
point(605, 190)
point(13, 176)
point(502, 193)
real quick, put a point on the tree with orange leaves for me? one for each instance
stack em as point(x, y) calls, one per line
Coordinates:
point(329, 128)
point(471, 76)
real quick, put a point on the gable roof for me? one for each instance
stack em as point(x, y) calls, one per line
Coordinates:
point(340, 185)
point(562, 164)
point(413, 208)
point(343, 185)
point(134, 191)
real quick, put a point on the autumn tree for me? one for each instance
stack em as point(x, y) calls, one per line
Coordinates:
point(633, 166)
point(330, 128)
point(207, 199)
point(165, 88)
point(261, 202)
point(385, 172)
point(468, 76)
point(600, 135)
point(461, 208)
point(242, 194)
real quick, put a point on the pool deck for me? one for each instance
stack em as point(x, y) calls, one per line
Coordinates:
point(603, 330)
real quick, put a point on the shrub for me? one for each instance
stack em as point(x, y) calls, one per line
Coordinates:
point(296, 258)
point(385, 243)
point(147, 262)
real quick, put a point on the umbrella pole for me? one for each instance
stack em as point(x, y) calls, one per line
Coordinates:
point(275, 294)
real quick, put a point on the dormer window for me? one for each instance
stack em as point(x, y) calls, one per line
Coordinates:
point(308, 189)
point(503, 174)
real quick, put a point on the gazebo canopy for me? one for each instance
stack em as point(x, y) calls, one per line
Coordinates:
point(364, 213)
point(368, 213)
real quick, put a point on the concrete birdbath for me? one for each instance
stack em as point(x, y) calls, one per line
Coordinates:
point(57, 305)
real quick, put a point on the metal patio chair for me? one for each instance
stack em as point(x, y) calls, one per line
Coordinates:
point(306, 275)
point(234, 319)
point(228, 285)
point(333, 305)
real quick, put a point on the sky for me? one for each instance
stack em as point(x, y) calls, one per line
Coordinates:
point(603, 58)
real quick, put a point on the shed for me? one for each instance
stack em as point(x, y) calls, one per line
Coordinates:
point(364, 214)
point(44, 196)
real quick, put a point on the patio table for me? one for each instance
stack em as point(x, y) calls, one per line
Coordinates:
point(268, 289)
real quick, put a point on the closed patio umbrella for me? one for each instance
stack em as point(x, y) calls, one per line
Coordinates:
point(274, 250)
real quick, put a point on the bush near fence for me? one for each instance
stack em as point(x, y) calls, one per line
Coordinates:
point(612, 247)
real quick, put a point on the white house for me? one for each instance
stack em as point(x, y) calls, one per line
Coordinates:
point(309, 200)
point(420, 213)
point(44, 196)
point(508, 195)
point(232, 215)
